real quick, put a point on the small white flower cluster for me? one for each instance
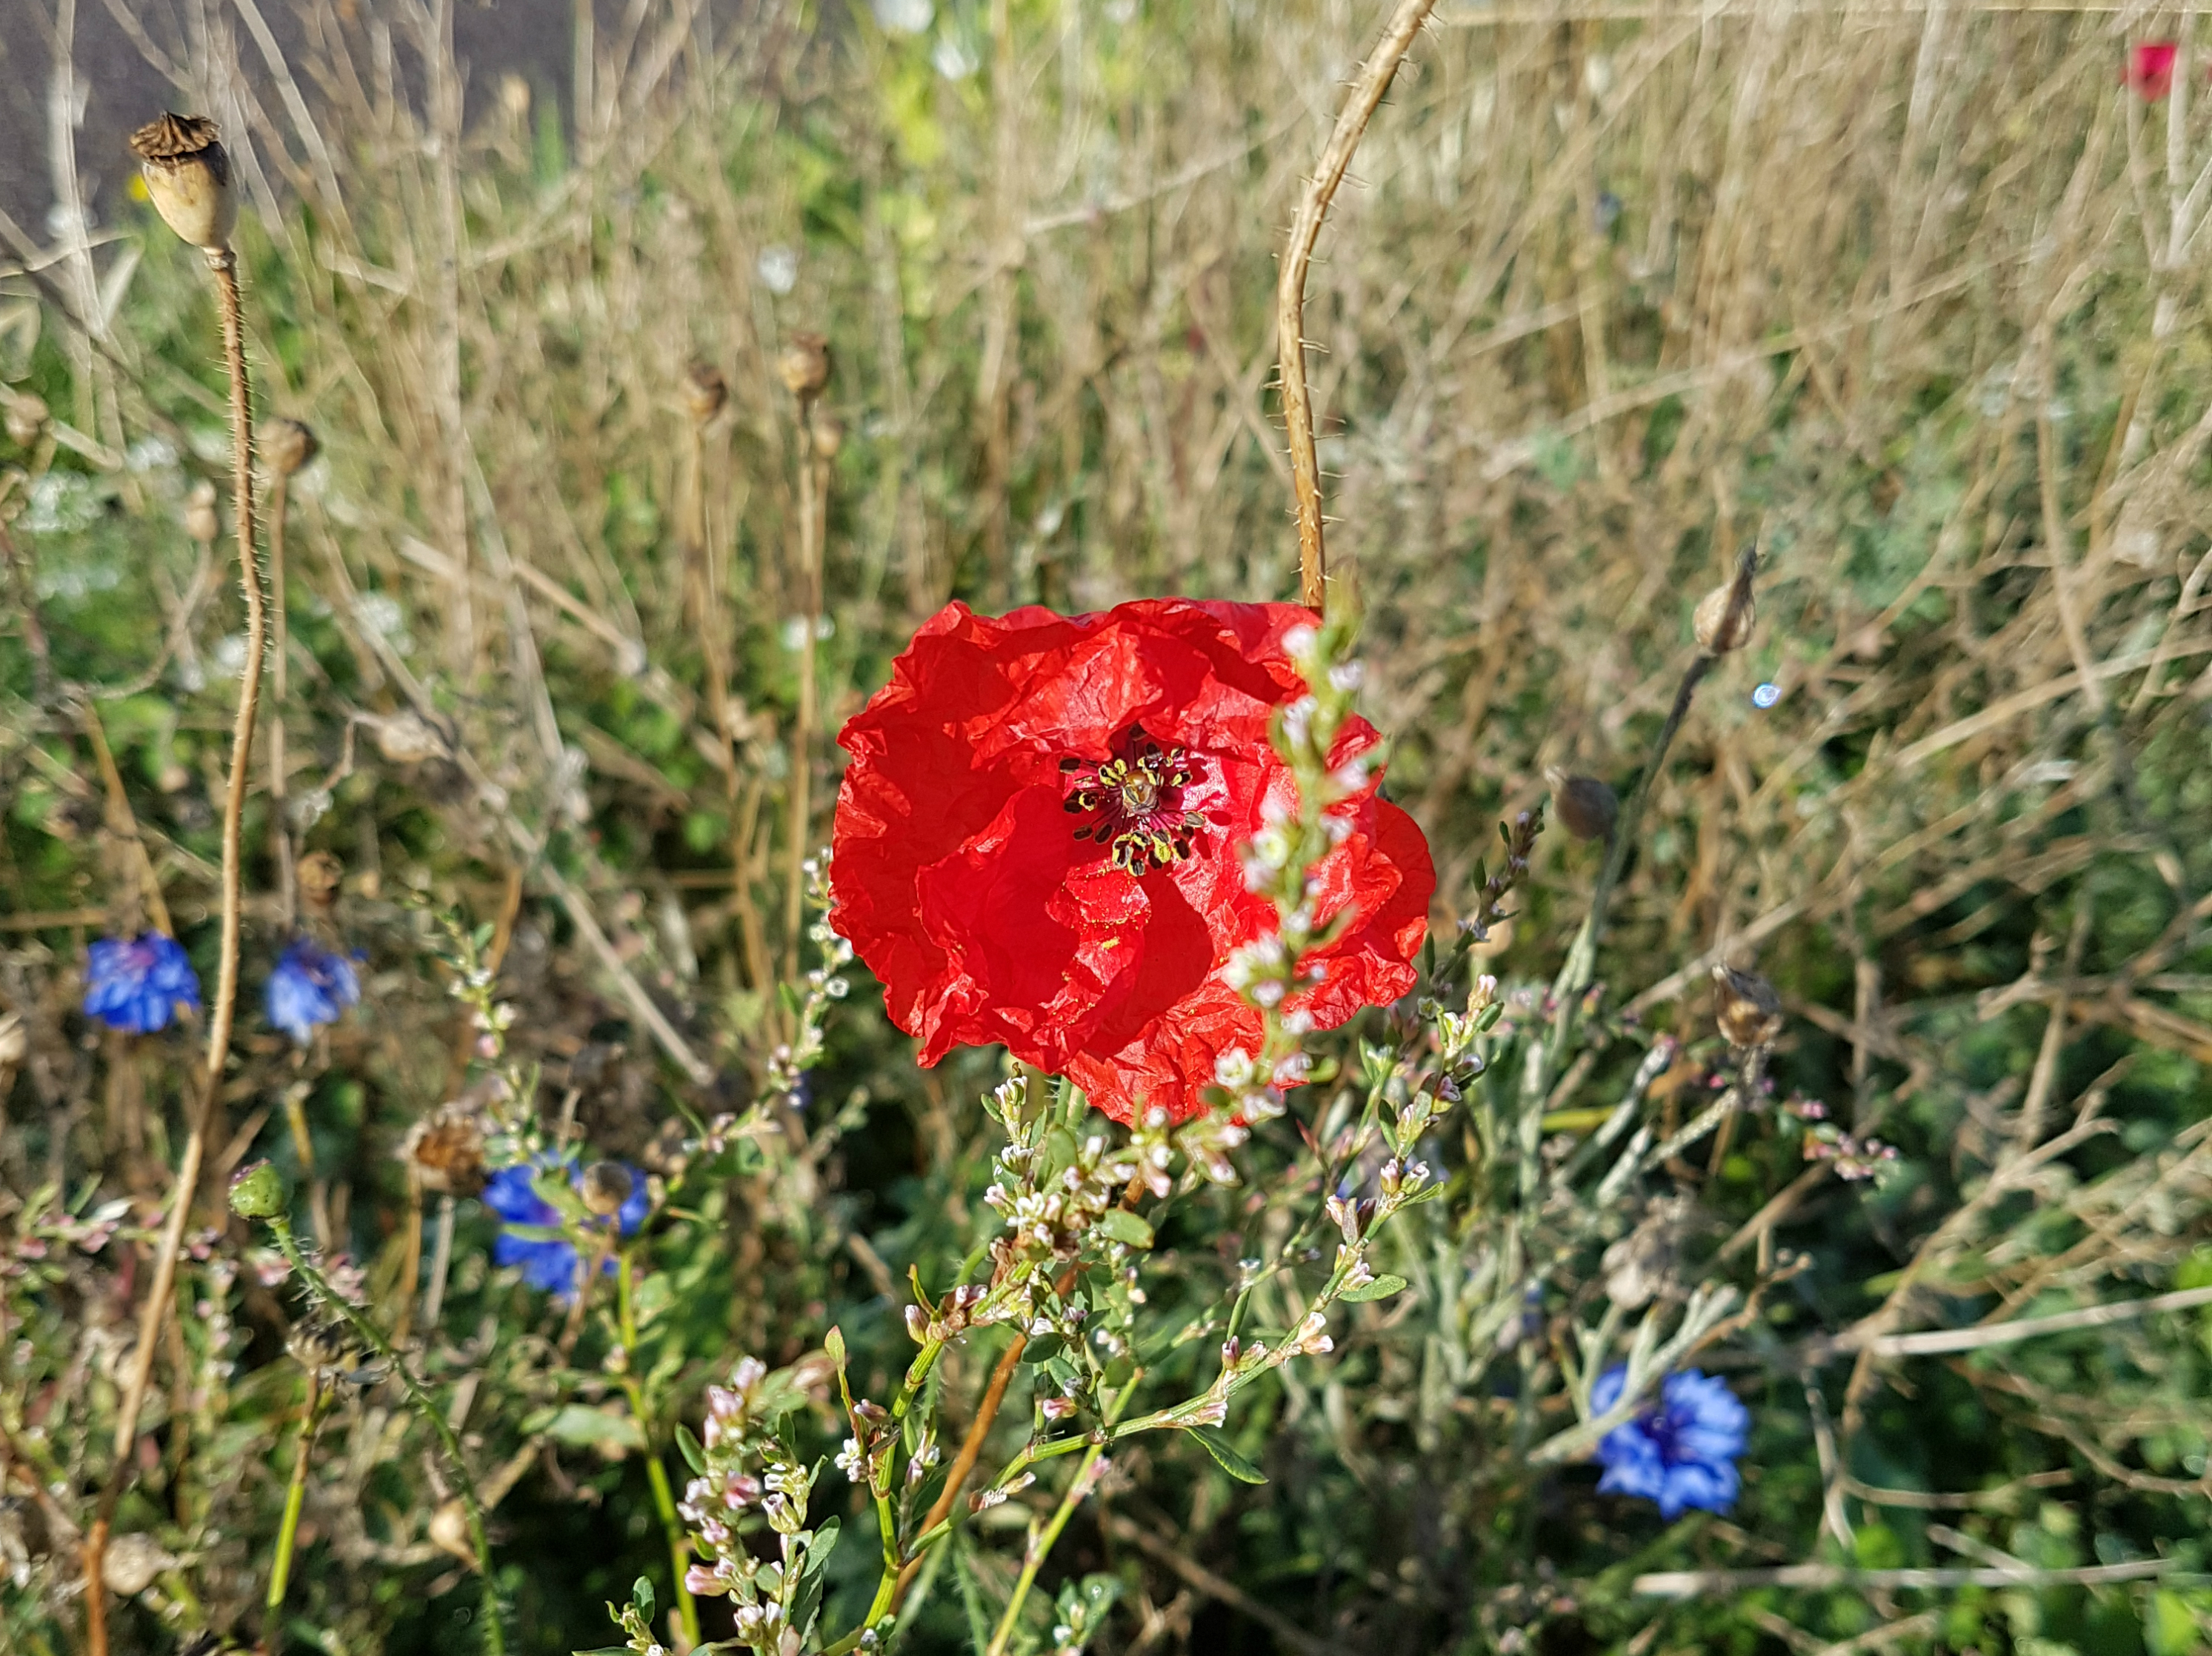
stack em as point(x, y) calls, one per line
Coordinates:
point(824, 984)
point(1049, 1214)
point(866, 1458)
point(1240, 1364)
point(750, 1470)
point(1853, 1158)
point(1296, 833)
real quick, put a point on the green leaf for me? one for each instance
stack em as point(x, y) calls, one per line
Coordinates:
point(535, 1233)
point(2169, 1629)
point(654, 1295)
point(1225, 1456)
point(693, 1455)
point(1381, 1288)
point(640, 1594)
point(584, 1427)
point(809, 1600)
point(824, 1543)
point(1124, 1226)
point(834, 1344)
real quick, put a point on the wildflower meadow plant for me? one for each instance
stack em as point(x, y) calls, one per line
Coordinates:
point(538, 1235)
point(1039, 844)
point(137, 985)
point(1680, 1453)
point(308, 987)
point(1111, 1155)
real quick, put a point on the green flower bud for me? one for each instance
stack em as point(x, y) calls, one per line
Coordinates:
point(258, 1192)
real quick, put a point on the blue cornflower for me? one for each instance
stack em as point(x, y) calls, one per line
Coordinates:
point(550, 1263)
point(309, 986)
point(1680, 1455)
point(137, 984)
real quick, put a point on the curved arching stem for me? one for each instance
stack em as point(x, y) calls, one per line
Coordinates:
point(1375, 77)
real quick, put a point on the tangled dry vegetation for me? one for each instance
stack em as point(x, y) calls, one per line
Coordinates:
point(1909, 299)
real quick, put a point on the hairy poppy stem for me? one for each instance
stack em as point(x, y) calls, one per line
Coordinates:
point(329, 1300)
point(296, 1498)
point(813, 487)
point(280, 831)
point(1375, 77)
point(971, 1451)
point(163, 1289)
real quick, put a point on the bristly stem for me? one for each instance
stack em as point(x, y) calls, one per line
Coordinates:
point(963, 1463)
point(280, 831)
point(663, 1496)
point(330, 1301)
point(1367, 91)
point(1581, 966)
point(162, 1287)
point(812, 487)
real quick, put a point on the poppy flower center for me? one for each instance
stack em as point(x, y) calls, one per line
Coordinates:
point(1136, 800)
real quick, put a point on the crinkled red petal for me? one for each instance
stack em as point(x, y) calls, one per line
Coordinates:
point(956, 876)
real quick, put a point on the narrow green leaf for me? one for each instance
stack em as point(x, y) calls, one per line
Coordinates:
point(1225, 1456)
point(689, 1446)
point(1381, 1288)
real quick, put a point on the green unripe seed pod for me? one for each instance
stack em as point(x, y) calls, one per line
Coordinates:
point(258, 1193)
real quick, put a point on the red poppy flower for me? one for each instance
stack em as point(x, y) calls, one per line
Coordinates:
point(2149, 73)
point(1037, 844)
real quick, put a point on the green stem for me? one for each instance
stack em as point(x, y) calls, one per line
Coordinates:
point(1042, 1542)
point(1575, 976)
point(663, 1496)
point(295, 1495)
point(372, 1337)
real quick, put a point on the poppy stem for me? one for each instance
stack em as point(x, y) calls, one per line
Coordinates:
point(1375, 77)
point(279, 832)
point(963, 1463)
point(330, 1301)
point(296, 1494)
point(663, 1496)
point(813, 487)
point(163, 1289)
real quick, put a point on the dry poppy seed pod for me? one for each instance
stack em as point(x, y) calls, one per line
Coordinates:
point(289, 445)
point(447, 1152)
point(606, 1186)
point(449, 1530)
point(1746, 1007)
point(406, 738)
point(319, 875)
point(188, 176)
point(27, 419)
point(705, 392)
point(1724, 614)
point(131, 1563)
point(200, 520)
point(1586, 807)
point(804, 365)
point(828, 436)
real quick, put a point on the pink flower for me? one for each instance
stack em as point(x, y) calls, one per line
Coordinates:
point(2149, 73)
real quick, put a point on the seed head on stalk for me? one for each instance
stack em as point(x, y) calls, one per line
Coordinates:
point(187, 173)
